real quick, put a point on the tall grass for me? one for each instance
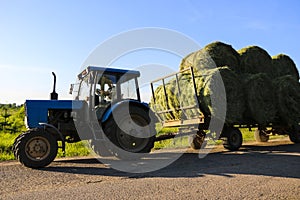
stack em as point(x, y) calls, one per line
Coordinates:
point(75, 149)
point(6, 142)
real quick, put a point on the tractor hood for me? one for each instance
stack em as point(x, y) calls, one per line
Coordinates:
point(37, 110)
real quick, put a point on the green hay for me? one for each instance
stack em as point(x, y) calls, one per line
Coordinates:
point(234, 100)
point(259, 89)
point(260, 99)
point(206, 85)
point(216, 54)
point(177, 97)
point(288, 99)
point(284, 65)
point(163, 103)
point(187, 61)
point(224, 55)
point(254, 59)
point(187, 96)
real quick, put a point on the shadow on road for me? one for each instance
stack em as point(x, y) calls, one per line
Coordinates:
point(275, 161)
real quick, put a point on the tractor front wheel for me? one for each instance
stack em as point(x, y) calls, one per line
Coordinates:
point(35, 148)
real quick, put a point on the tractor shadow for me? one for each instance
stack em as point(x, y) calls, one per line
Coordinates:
point(275, 161)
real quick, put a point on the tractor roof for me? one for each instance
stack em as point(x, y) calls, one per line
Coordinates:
point(110, 71)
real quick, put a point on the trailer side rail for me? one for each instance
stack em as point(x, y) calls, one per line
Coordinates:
point(184, 109)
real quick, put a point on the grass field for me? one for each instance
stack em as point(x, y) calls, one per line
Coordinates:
point(79, 148)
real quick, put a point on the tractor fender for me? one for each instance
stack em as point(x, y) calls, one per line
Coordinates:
point(58, 132)
point(108, 113)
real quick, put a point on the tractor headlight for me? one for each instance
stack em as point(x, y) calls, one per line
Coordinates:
point(26, 122)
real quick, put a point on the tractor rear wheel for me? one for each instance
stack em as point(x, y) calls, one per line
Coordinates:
point(131, 134)
point(35, 148)
point(233, 138)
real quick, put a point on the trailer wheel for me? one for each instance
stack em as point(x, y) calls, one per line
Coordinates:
point(294, 134)
point(196, 141)
point(35, 148)
point(261, 136)
point(125, 145)
point(232, 139)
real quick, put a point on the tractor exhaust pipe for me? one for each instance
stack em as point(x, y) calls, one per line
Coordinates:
point(54, 95)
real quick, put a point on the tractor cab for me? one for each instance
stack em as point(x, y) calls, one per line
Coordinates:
point(100, 87)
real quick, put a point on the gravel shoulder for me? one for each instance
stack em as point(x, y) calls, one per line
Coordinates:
point(257, 171)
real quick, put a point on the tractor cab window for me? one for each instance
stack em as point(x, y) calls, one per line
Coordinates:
point(128, 90)
point(84, 89)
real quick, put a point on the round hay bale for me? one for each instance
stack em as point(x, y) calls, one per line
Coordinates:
point(254, 59)
point(224, 55)
point(187, 61)
point(213, 55)
point(234, 99)
point(260, 99)
point(284, 65)
point(288, 99)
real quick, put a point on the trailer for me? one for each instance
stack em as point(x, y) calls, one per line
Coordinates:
point(197, 124)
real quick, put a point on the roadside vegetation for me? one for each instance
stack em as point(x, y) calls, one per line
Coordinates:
point(12, 125)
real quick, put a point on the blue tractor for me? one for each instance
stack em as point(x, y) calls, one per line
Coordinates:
point(106, 110)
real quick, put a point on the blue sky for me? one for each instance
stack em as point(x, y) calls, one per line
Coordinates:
point(38, 37)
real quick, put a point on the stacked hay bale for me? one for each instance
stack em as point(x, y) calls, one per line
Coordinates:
point(234, 94)
point(257, 72)
point(284, 65)
point(215, 63)
point(287, 89)
point(260, 89)
point(288, 99)
point(255, 60)
point(269, 97)
point(216, 54)
point(260, 99)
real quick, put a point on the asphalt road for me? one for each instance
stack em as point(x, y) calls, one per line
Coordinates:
point(257, 171)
